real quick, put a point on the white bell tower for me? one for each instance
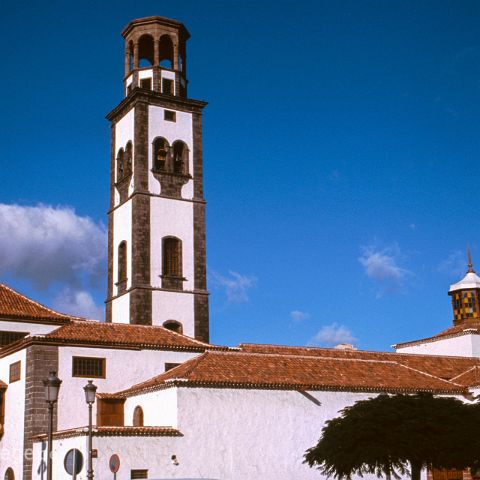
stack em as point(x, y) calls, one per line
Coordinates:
point(156, 243)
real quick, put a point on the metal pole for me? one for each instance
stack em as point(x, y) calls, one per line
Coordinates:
point(90, 467)
point(50, 441)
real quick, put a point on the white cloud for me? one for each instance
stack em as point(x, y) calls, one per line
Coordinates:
point(455, 264)
point(332, 335)
point(299, 316)
point(381, 265)
point(79, 303)
point(47, 245)
point(235, 286)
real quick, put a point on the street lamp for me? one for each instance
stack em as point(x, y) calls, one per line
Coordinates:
point(90, 391)
point(52, 387)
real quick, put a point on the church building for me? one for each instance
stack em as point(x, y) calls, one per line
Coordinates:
point(169, 404)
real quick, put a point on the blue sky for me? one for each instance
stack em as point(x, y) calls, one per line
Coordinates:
point(341, 148)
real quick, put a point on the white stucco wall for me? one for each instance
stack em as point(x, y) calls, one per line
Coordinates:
point(174, 306)
point(460, 346)
point(124, 132)
point(122, 231)
point(159, 408)
point(124, 368)
point(227, 434)
point(11, 444)
point(26, 327)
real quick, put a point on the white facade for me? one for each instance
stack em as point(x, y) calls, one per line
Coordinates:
point(463, 345)
point(226, 434)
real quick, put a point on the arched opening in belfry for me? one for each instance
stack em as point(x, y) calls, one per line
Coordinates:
point(145, 51)
point(160, 154)
point(173, 325)
point(166, 52)
point(180, 157)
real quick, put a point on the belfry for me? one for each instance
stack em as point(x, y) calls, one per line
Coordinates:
point(156, 243)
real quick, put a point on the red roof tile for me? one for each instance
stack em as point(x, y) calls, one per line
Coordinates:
point(121, 334)
point(14, 305)
point(257, 370)
point(115, 432)
point(439, 366)
point(470, 378)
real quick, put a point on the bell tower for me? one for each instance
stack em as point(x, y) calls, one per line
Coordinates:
point(156, 241)
point(466, 297)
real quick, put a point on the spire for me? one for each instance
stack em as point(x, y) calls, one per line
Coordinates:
point(470, 266)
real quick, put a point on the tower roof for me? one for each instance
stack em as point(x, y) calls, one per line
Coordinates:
point(470, 281)
point(146, 21)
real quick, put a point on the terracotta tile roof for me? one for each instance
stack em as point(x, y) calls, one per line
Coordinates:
point(115, 432)
point(470, 378)
point(439, 366)
point(14, 305)
point(455, 331)
point(295, 372)
point(121, 334)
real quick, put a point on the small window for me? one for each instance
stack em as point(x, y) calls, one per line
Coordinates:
point(170, 116)
point(138, 417)
point(88, 367)
point(138, 474)
point(167, 86)
point(146, 83)
point(173, 325)
point(169, 366)
point(15, 369)
point(6, 338)
point(122, 267)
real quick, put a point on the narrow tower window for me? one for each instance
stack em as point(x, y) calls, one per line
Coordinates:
point(128, 159)
point(166, 52)
point(120, 165)
point(172, 257)
point(180, 157)
point(160, 154)
point(145, 51)
point(138, 417)
point(122, 267)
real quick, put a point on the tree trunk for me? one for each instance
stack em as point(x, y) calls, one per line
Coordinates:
point(415, 470)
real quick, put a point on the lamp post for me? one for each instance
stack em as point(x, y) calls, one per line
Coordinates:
point(90, 391)
point(52, 387)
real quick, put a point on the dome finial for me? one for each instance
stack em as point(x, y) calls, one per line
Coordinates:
point(470, 266)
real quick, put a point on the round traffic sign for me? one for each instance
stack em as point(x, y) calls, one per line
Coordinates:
point(114, 463)
point(73, 462)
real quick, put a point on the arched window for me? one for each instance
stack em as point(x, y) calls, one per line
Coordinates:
point(173, 325)
point(128, 159)
point(9, 475)
point(138, 417)
point(172, 257)
point(160, 154)
point(166, 52)
point(180, 157)
point(120, 164)
point(122, 266)
point(145, 51)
